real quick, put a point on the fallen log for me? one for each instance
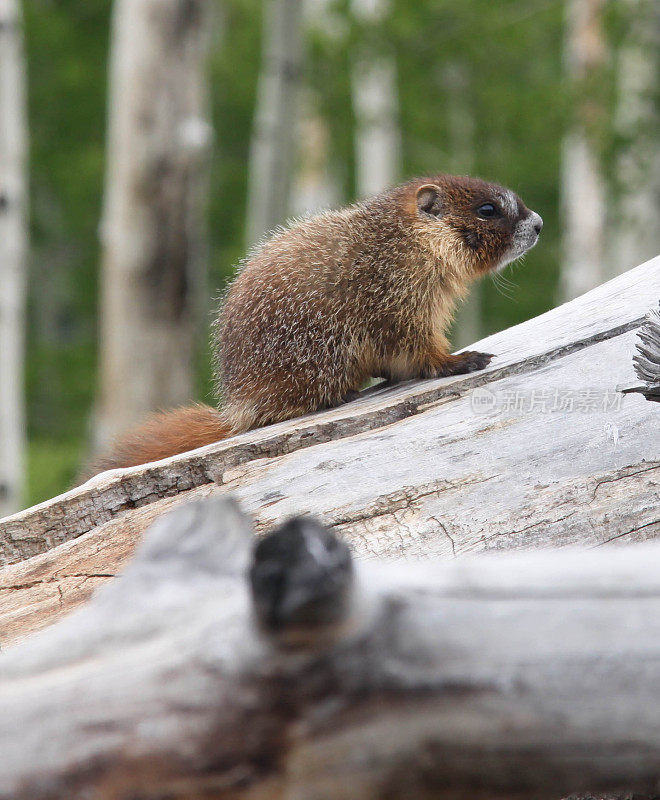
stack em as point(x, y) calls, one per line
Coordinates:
point(538, 450)
point(510, 675)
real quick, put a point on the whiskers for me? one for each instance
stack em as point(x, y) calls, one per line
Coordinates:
point(505, 286)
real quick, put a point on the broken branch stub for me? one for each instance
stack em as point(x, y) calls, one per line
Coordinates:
point(647, 357)
point(301, 576)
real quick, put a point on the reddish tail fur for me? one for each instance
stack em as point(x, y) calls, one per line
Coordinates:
point(162, 435)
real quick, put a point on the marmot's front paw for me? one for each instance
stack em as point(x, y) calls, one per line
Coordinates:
point(472, 360)
point(445, 365)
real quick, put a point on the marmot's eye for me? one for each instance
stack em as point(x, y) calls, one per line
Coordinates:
point(486, 211)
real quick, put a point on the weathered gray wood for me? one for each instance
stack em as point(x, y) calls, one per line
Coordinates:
point(37, 591)
point(572, 346)
point(507, 676)
point(442, 480)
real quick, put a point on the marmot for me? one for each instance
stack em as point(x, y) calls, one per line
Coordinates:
point(328, 302)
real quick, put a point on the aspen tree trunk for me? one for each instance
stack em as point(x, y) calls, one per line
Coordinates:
point(375, 104)
point(314, 187)
point(13, 255)
point(152, 231)
point(273, 137)
point(315, 184)
point(583, 190)
point(460, 161)
point(635, 228)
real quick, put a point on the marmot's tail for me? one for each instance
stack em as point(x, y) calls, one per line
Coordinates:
point(161, 435)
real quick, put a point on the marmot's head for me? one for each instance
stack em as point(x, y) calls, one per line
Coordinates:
point(476, 225)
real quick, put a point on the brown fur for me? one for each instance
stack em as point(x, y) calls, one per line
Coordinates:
point(333, 300)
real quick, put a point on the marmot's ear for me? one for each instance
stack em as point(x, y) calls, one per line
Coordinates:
point(429, 200)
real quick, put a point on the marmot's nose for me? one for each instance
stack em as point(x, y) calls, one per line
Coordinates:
point(537, 221)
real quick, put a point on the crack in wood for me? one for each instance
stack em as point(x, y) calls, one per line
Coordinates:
point(625, 472)
point(403, 500)
point(55, 579)
point(631, 531)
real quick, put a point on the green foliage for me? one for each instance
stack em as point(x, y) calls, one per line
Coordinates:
point(67, 44)
point(234, 71)
point(328, 75)
point(52, 466)
point(508, 56)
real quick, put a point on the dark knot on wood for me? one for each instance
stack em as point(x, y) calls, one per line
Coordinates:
point(301, 576)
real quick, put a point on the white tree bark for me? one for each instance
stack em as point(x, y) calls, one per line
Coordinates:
point(582, 183)
point(510, 676)
point(376, 108)
point(273, 137)
point(460, 161)
point(314, 187)
point(315, 184)
point(635, 232)
point(13, 255)
point(152, 230)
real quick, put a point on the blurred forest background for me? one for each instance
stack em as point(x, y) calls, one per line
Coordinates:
point(263, 109)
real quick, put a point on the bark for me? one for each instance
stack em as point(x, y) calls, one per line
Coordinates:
point(376, 106)
point(538, 450)
point(459, 160)
point(517, 676)
point(582, 182)
point(315, 187)
point(272, 149)
point(635, 233)
point(153, 242)
point(13, 255)
point(315, 184)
